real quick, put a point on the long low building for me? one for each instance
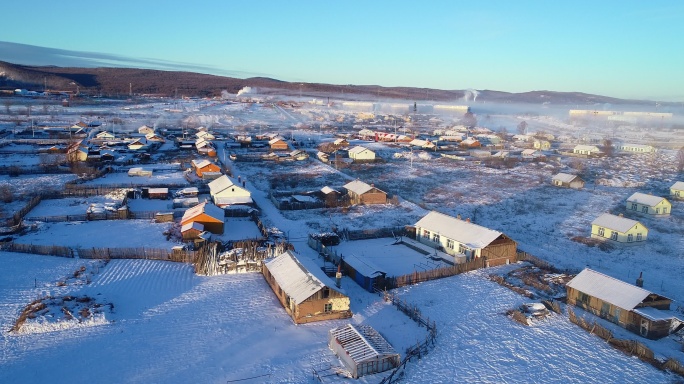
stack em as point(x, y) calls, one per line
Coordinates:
point(618, 229)
point(456, 236)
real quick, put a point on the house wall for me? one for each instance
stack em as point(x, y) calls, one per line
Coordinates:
point(190, 234)
point(622, 237)
point(373, 197)
point(630, 148)
point(279, 146)
point(234, 191)
point(500, 252)
point(363, 155)
point(677, 194)
point(208, 168)
point(662, 208)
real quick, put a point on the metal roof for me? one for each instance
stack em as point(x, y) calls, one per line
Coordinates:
point(296, 280)
point(678, 185)
point(608, 289)
point(361, 342)
point(646, 199)
point(472, 235)
point(618, 223)
point(200, 163)
point(221, 184)
point(210, 209)
point(358, 187)
point(358, 149)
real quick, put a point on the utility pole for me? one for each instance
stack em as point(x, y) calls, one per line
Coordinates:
point(130, 89)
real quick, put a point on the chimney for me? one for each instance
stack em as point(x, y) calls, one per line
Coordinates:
point(338, 275)
point(640, 280)
point(458, 216)
point(468, 220)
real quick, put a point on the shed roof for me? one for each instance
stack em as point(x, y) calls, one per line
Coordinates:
point(297, 280)
point(618, 223)
point(358, 187)
point(326, 190)
point(608, 289)
point(361, 342)
point(192, 225)
point(678, 185)
point(200, 163)
point(358, 149)
point(565, 177)
point(646, 199)
point(222, 183)
point(470, 234)
point(209, 209)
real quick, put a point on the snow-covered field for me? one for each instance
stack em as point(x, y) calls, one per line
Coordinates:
point(157, 178)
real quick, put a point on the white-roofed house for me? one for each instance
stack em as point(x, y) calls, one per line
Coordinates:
point(567, 180)
point(637, 148)
point(587, 150)
point(362, 349)
point(304, 290)
point(278, 144)
point(649, 204)
point(144, 130)
point(330, 196)
point(455, 236)
point(139, 144)
point(362, 193)
point(224, 191)
point(360, 153)
point(203, 166)
point(677, 190)
point(627, 305)
point(618, 229)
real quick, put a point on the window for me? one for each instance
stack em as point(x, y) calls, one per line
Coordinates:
point(426, 234)
point(326, 292)
point(461, 248)
point(639, 238)
point(601, 231)
point(328, 308)
point(450, 244)
point(605, 310)
point(582, 297)
point(435, 238)
point(634, 207)
point(677, 193)
point(644, 209)
point(630, 238)
point(657, 211)
point(664, 210)
point(613, 235)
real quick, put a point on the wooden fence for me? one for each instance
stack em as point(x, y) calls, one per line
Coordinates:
point(51, 250)
point(19, 215)
point(137, 253)
point(433, 274)
point(372, 233)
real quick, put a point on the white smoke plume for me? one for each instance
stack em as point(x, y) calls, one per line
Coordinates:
point(470, 94)
point(244, 90)
point(225, 95)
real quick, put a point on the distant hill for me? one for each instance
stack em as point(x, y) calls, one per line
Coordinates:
point(119, 81)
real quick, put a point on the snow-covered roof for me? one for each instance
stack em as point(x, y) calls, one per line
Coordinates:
point(362, 342)
point(222, 183)
point(358, 187)
point(565, 177)
point(209, 209)
point(297, 280)
point(608, 289)
point(326, 190)
point(200, 163)
point(339, 141)
point(363, 266)
point(472, 235)
point(358, 149)
point(192, 225)
point(655, 314)
point(643, 198)
point(678, 185)
point(158, 190)
point(275, 140)
point(304, 199)
point(590, 148)
point(618, 223)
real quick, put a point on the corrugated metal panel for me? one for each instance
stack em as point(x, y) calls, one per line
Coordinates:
point(608, 289)
point(472, 235)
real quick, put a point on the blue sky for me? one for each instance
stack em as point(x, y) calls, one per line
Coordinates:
point(628, 49)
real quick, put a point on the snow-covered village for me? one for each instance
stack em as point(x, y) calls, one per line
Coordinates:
point(271, 238)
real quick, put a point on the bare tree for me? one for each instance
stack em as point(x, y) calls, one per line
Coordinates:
point(522, 127)
point(680, 159)
point(6, 195)
point(608, 147)
point(8, 105)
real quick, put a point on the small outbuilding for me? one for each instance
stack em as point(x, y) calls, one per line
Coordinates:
point(204, 166)
point(360, 153)
point(158, 193)
point(362, 350)
point(627, 305)
point(649, 204)
point(677, 190)
point(278, 144)
point(305, 292)
point(568, 181)
point(209, 215)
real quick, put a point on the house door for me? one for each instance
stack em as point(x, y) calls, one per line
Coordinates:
point(644, 327)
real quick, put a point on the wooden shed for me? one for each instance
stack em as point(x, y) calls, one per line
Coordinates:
point(204, 166)
point(158, 193)
point(627, 305)
point(191, 230)
point(305, 292)
point(362, 193)
point(278, 144)
point(567, 180)
point(362, 350)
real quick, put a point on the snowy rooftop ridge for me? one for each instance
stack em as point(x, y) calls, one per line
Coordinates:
point(473, 235)
point(564, 177)
point(209, 209)
point(646, 199)
point(608, 289)
point(358, 187)
point(222, 183)
point(300, 281)
point(619, 223)
point(678, 185)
